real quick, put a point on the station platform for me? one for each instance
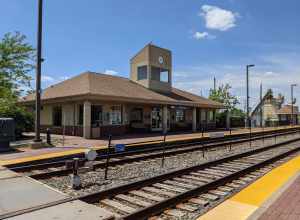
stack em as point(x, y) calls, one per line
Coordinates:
point(275, 196)
point(24, 198)
point(77, 145)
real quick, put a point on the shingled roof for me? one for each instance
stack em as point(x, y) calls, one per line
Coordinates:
point(287, 110)
point(103, 86)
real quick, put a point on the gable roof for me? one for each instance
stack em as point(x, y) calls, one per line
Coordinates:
point(105, 86)
point(287, 110)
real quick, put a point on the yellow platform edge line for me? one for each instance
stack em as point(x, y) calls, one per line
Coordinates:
point(81, 150)
point(245, 203)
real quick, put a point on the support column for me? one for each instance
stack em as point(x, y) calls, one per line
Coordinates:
point(194, 119)
point(165, 118)
point(87, 107)
point(228, 124)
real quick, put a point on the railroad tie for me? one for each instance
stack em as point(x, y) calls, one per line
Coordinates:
point(209, 196)
point(199, 201)
point(186, 207)
point(117, 205)
point(168, 187)
point(159, 191)
point(133, 200)
point(147, 195)
point(184, 185)
point(175, 212)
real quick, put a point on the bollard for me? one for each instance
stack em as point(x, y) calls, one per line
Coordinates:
point(230, 143)
point(48, 133)
point(250, 137)
point(107, 156)
point(263, 136)
point(164, 149)
point(203, 151)
point(75, 178)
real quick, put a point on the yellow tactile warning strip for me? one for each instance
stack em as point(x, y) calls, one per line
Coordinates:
point(246, 202)
point(47, 156)
point(81, 150)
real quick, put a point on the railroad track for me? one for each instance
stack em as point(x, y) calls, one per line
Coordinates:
point(46, 171)
point(237, 138)
point(185, 193)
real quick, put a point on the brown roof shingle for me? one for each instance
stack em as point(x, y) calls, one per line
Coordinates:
point(105, 86)
point(287, 110)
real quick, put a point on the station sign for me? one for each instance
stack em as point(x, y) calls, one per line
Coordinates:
point(120, 147)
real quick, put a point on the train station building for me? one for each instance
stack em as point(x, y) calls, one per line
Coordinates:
point(94, 105)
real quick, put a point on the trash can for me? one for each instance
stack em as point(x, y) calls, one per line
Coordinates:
point(7, 133)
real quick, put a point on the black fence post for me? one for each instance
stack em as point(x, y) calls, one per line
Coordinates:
point(75, 181)
point(107, 157)
point(164, 149)
point(263, 136)
point(230, 141)
point(75, 166)
point(250, 136)
point(48, 139)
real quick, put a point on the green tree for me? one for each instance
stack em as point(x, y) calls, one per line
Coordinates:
point(230, 102)
point(223, 95)
point(16, 63)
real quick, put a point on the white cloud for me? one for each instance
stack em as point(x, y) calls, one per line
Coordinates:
point(275, 71)
point(217, 18)
point(203, 35)
point(111, 72)
point(46, 78)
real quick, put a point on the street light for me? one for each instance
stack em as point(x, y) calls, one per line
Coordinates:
point(39, 61)
point(247, 81)
point(292, 99)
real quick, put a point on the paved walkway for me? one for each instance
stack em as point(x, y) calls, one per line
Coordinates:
point(255, 199)
point(73, 145)
point(287, 206)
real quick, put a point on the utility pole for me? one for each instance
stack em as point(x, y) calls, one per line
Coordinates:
point(261, 105)
point(38, 72)
point(292, 99)
point(247, 85)
point(215, 84)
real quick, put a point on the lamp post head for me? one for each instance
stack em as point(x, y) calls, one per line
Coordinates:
point(293, 85)
point(251, 65)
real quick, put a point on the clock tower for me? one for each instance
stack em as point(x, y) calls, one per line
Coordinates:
point(152, 68)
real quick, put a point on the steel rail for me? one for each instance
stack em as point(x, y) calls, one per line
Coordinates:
point(167, 203)
point(95, 197)
point(149, 156)
point(59, 161)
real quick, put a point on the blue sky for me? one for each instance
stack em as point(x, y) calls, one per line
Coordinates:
point(207, 38)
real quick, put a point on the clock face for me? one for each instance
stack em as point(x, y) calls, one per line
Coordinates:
point(160, 59)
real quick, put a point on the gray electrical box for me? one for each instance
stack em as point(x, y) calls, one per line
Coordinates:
point(7, 133)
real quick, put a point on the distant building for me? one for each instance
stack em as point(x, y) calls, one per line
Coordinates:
point(272, 112)
point(93, 105)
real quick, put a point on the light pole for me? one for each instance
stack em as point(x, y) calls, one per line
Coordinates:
point(247, 81)
point(38, 72)
point(292, 99)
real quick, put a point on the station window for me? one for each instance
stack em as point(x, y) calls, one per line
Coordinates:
point(159, 74)
point(96, 115)
point(57, 116)
point(136, 115)
point(142, 72)
point(116, 115)
point(80, 115)
point(179, 115)
point(210, 116)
